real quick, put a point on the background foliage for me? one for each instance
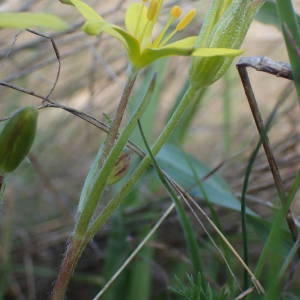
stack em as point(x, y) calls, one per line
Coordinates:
point(42, 194)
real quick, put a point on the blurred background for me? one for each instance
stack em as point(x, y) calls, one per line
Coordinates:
point(41, 196)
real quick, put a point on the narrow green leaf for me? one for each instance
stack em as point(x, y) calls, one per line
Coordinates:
point(140, 276)
point(25, 20)
point(291, 33)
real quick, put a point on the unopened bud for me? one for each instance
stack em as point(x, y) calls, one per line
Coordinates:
point(16, 138)
point(229, 32)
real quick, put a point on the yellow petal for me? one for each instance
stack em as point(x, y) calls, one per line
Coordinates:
point(188, 42)
point(86, 11)
point(136, 18)
point(181, 48)
point(207, 52)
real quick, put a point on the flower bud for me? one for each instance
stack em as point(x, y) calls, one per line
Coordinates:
point(228, 32)
point(16, 138)
point(120, 169)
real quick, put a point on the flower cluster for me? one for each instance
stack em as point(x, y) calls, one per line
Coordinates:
point(138, 38)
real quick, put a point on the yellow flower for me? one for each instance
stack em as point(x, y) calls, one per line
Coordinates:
point(137, 37)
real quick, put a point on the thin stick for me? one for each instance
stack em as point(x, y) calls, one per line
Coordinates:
point(135, 252)
point(242, 69)
point(114, 130)
point(82, 115)
point(244, 294)
point(57, 57)
point(267, 65)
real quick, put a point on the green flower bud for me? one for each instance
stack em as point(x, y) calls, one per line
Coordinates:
point(228, 32)
point(120, 169)
point(16, 138)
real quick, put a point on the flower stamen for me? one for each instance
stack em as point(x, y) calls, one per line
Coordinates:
point(186, 20)
point(176, 11)
point(152, 10)
point(174, 14)
point(182, 24)
point(152, 15)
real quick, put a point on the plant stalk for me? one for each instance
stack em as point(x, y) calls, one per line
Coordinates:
point(96, 186)
point(73, 252)
point(190, 94)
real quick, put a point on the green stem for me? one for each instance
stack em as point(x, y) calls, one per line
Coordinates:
point(95, 184)
point(180, 133)
point(190, 94)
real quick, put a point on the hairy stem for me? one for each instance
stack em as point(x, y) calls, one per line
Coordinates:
point(95, 186)
point(73, 252)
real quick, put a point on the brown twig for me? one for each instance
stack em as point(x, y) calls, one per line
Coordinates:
point(275, 70)
point(82, 115)
point(267, 65)
point(114, 130)
point(42, 64)
point(11, 50)
point(57, 57)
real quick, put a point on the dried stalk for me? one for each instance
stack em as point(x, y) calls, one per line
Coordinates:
point(281, 70)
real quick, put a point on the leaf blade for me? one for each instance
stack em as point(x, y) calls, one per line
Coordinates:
point(23, 20)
